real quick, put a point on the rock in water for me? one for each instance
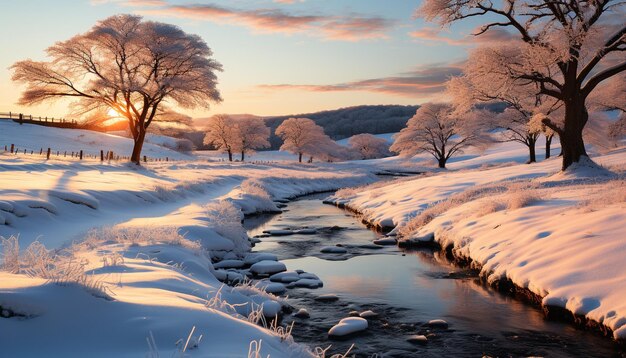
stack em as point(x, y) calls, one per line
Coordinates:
point(417, 339)
point(348, 326)
point(275, 288)
point(333, 250)
point(302, 313)
point(368, 314)
point(267, 267)
point(271, 308)
point(327, 298)
point(438, 323)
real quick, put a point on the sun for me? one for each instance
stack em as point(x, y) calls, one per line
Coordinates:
point(112, 113)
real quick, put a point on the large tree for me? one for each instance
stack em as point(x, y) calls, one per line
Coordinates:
point(221, 133)
point(368, 146)
point(251, 133)
point(302, 136)
point(439, 130)
point(567, 48)
point(476, 85)
point(126, 64)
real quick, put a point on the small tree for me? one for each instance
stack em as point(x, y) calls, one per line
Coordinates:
point(251, 133)
point(565, 48)
point(128, 65)
point(369, 146)
point(221, 133)
point(300, 136)
point(436, 129)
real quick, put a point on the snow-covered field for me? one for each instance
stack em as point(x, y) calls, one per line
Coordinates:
point(126, 268)
point(127, 265)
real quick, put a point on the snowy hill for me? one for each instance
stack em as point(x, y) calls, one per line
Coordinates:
point(34, 138)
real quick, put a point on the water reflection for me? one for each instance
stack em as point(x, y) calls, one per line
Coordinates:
point(408, 291)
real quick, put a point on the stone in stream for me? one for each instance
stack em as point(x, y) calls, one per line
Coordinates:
point(271, 308)
point(275, 288)
point(255, 257)
point(306, 283)
point(286, 232)
point(348, 326)
point(285, 277)
point(333, 250)
point(302, 313)
point(227, 264)
point(417, 339)
point(329, 297)
point(368, 314)
point(437, 323)
point(267, 267)
point(385, 241)
point(353, 314)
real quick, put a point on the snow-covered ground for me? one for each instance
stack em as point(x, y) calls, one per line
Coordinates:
point(127, 268)
point(558, 234)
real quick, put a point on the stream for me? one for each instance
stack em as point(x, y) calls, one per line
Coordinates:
point(406, 289)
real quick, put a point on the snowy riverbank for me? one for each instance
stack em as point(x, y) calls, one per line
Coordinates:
point(558, 235)
point(141, 282)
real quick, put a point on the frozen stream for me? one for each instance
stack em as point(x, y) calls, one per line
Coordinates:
point(406, 289)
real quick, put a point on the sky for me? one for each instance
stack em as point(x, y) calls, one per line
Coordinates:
point(279, 56)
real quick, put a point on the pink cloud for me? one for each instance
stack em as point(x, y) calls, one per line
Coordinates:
point(346, 28)
point(425, 81)
point(493, 35)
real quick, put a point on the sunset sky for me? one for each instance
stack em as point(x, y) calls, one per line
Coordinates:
point(279, 57)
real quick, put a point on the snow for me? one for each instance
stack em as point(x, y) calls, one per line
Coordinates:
point(348, 326)
point(267, 267)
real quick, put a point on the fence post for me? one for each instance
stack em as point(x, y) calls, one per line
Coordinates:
point(145, 159)
point(48, 154)
point(40, 151)
point(81, 154)
point(101, 155)
point(12, 148)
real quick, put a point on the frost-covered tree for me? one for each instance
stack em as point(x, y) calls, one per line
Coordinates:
point(127, 65)
point(439, 130)
point(251, 133)
point(537, 125)
point(475, 86)
point(301, 136)
point(565, 48)
point(221, 133)
point(369, 146)
point(612, 97)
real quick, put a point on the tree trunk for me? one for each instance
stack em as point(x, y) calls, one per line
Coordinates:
point(299, 157)
point(442, 163)
point(572, 144)
point(230, 155)
point(141, 135)
point(548, 144)
point(532, 157)
point(243, 156)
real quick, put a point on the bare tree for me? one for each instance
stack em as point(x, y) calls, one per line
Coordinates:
point(221, 133)
point(436, 129)
point(566, 48)
point(476, 85)
point(369, 146)
point(301, 136)
point(251, 133)
point(128, 65)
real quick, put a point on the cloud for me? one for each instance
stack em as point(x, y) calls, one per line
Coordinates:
point(331, 27)
point(493, 35)
point(424, 81)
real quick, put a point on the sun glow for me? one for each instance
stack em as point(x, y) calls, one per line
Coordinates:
point(112, 113)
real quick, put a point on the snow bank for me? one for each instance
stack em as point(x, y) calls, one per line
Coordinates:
point(559, 235)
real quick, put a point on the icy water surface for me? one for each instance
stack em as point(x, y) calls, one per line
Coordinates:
point(406, 289)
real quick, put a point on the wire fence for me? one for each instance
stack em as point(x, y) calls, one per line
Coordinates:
point(41, 120)
point(47, 153)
